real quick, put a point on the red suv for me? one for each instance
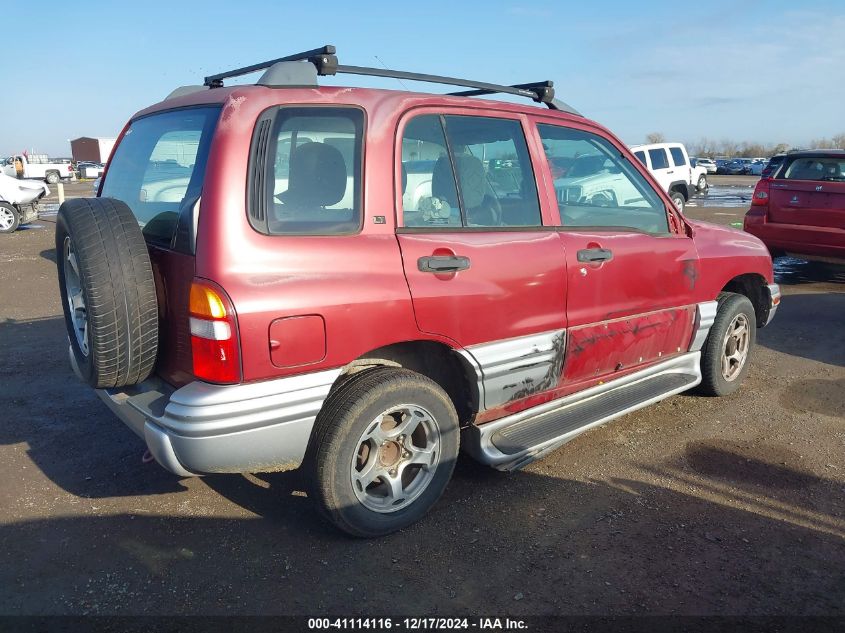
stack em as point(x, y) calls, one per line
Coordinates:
point(358, 281)
point(801, 209)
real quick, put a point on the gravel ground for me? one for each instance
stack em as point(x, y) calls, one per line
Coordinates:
point(692, 506)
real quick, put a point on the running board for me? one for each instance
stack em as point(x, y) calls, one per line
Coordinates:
point(515, 441)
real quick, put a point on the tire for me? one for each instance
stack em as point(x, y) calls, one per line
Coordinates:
point(52, 178)
point(10, 219)
point(702, 183)
point(345, 445)
point(732, 308)
point(104, 270)
point(678, 200)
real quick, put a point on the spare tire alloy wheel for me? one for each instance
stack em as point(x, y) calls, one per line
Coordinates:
point(702, 183)
point(9, 218)
point(75, 296)
point(108, 292)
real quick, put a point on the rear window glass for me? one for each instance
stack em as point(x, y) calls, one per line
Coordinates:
point(158, 168)
point(816, 168)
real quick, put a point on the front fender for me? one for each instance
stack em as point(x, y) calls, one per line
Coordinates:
point(724, 254)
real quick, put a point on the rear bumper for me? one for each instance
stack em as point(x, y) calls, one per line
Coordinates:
point(203, 428)
point(809, 242)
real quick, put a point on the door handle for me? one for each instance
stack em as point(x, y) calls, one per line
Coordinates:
point(593, 255)
point(443, 263)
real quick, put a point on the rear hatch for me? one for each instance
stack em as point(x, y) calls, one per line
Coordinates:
point(810, 192)
point(157, 169)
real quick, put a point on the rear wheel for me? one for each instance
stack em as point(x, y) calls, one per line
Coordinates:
point(725, 355)
point(52, 177)
point(678, 200)
point(10, 219)
point(108, 292)
point(383, 449)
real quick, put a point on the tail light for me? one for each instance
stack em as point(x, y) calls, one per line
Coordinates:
point(756, 215)
point(214, 334)
point(761, 193)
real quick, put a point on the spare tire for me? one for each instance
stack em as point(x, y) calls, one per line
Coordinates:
point(108, 292)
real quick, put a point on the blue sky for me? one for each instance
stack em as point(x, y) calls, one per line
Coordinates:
point(746, 70)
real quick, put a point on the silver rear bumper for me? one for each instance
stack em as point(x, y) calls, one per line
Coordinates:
point(203, 428)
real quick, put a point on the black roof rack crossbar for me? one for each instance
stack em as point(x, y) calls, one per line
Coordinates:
point(541, 92)
point(325, 60)
point(216, 81)
point(535, 87)
point(544, 90)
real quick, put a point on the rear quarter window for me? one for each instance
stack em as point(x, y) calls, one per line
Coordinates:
point(159, 166)
point(307, 179)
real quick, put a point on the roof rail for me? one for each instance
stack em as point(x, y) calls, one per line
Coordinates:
point(325, 61)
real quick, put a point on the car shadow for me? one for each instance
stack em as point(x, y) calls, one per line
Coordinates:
point(808, 325)
point(690, 540)
point(49, 254)
point(69, 433)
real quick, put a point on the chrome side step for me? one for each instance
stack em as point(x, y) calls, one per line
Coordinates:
point(514, 441)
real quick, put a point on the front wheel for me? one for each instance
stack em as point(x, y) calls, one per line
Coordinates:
point(10, 219)
point(724, 357)
point(382, 451)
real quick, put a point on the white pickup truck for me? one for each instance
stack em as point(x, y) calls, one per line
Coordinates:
point(671, 166)
point(37, 166)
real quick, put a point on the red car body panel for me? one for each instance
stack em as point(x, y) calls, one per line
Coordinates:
point(804, 217)
point(513, 288)
point(364, 291)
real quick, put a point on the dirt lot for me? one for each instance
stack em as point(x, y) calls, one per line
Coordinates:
point(693, 506)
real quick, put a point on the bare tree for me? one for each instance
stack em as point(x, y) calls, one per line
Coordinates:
point(727, 147)
point(655, 137)
point(839, 140)
point(822, 143)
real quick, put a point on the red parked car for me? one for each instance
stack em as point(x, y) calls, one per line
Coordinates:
point(358, 282)
point(801, 210)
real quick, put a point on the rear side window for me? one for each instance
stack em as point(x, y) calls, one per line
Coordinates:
point(827, 168)
point(310, 183)
point(641, 157)
point(677, 156)
point(658, 157)
point(158, 168)
point(467, 171)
